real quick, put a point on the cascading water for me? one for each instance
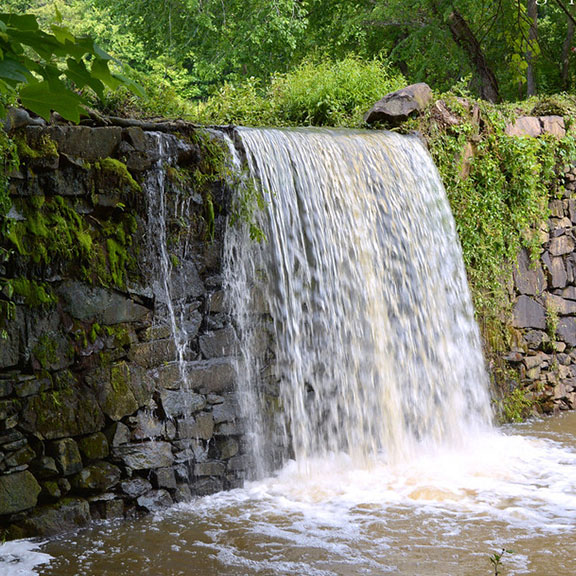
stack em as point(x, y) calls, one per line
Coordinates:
point(376, 344)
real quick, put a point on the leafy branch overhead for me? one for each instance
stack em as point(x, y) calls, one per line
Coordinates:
point(48, 71)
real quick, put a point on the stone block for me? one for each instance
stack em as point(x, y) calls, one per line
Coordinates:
point(219, 343)
point(529, 276)
point(528, 313)
point(94, 447)
point(169, 376)
point(66, 455)
point(153, 354)
point(155, 500)
point(228, 448)
point(182, 493)
point(146, 426)
point(20, 457)
point(5, 388)
point(44, 467)
point(136, 487)
point(164, 478)
point(72, 411)
point(561, 245)
point(556, 208)
point(560, 305)
point(18, 492)
point(144, 456)
point(566, 330)
point(524, 126)
point(118, 434)
point(88, 143)
point(212, 376)
point(553, 125)
point(227, 411)
point(177, 403)
point(208, 485)
point(96, 478)
point(201, 427)
point(398, 106)
point(66, 515)
point(102, 305)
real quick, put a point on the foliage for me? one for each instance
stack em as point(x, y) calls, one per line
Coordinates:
point(42, 68)
point(318, 93)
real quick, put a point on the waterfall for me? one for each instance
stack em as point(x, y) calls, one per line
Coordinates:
point(376, 350)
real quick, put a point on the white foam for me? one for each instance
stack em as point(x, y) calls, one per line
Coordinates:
point(21, 557)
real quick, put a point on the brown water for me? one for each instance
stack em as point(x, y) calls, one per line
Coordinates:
point(443, 514)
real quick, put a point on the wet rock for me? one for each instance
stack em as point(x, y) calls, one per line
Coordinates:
point(107, 307)
point(18, 492)
point(164, 478)
point(44, 467)
point(212, 376)
point(178, 403)
point(529, 314)
point(182, 493)
point(556, 270)
point(88, 143)
point(227, 411)
point(200, 427)
point(66, 455)
point(147, 426)
point(227, 447)
point(98, 477)
point(155, 500)
point(68, 514)
point(219, 343)
point(209, 469)
point(398, 106)
point(154, 353)
point(206, 486)
point(145, 456)
point(20, 457)
point(136, 487)
point(94, 447)
point(118, 434)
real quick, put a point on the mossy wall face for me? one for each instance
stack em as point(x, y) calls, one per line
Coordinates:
point(96, 418)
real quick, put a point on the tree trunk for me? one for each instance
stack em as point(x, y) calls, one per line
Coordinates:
point(566, 52)
point(532, 13)
point(466, 39)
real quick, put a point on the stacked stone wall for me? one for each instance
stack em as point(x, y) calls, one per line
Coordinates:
point(100, 415)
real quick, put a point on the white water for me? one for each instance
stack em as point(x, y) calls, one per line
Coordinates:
point(377, 349)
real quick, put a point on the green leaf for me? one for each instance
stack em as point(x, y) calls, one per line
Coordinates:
point(24, 22)
point(80, 75)
point(101, 71)
point(43, 97)
point(12, 70)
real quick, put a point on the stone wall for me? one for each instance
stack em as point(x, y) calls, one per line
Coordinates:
point(115, 398)
point(543, 353)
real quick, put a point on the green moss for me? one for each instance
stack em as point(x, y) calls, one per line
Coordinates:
point(45, 351)
point(33, 293)
point(117, 173)
point(44, 147)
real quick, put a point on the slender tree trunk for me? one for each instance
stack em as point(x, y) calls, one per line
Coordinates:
point(532, 13)
point(466, 39)
point(566, 52)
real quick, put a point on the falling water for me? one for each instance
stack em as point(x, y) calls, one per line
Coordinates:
point(376, 345)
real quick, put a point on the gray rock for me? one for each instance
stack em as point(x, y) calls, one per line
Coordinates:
point(528, 313)
point(96, 478)
point(94, 447)
point(68, 514)
point(155, 500)
point(524, 126)
point(561, 245)
point(566, 330)
point(164, 478)
point(22, 456)
point(212, 376)
point(92, 303)
point(398, 106)
point(88, 143)
point(556, 270)
point(147, 426)
point(145, 456)
point(560, 305)
point(228, 411)
point(178, 403)
point(136, 487)
point(228, 448)
point(66, 455)
point(208, 485)
point(219, 343)
point(529, 276)
point(18, 492)
point(553, 125)
point(182, 493)
point(118, 434)
point(44, 467)
point(212, 468)
point(153, 354)
point(200, 427)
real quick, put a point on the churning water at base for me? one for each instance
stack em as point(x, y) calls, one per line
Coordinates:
point(376, 348)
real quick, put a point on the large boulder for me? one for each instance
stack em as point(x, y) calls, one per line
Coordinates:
point(398, 106)
point(18, 492)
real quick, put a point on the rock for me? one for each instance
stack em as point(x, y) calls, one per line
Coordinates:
point(66, 455)
point(528, 276)
point(145, 456)
point(18, 492)
point(524, 126)
point(94, 447)
point(20, 457)
point(219, 343)
point(68, 514)
point(209, 468)
point(566, 330)
point(529, 314)
point(118, 434)
point(228, 448)
point(178, 403)
point(147, 426)
point(560, 305)
point(182, 493)
point(556, 270)
point(136, 487)
point(88, 143)
point(105, 306)
point(211, 376)
point(96, 478)
point(155, 500)
point(164, 478)
point(556, 208)
point(77, 413)
point(153, 354)
point(553, 125)
point(561, 245)
point(398, 106)
point(227, 411)
point(207, 485)
point(201, 427)
point(44, 467)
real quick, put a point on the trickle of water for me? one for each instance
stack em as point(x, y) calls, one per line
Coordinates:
point(376, 347)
